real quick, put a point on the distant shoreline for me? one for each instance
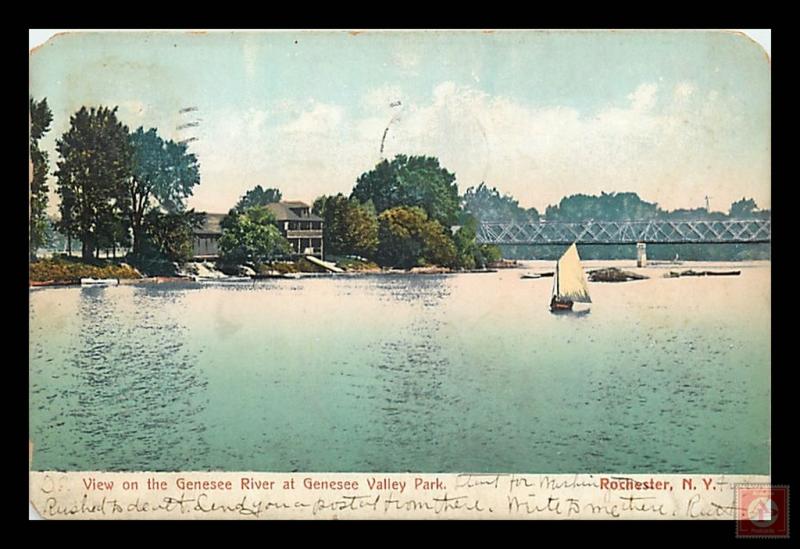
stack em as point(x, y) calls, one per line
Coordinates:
point(533, 266)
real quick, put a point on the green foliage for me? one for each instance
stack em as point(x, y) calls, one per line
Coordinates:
point(487, 204)
point(491, 254)
point(318, 208)
point(470, 254)
point(65, 269)
point(408, 238)
point(93, 176)
point(746, 208)
point(258, 196)
point(350, 228)
point(606, 207)
point(171, 235)
point(163, 175)
point(693, 214)
point(251, 238)
point(40, 119)
point(259, 215)
point(411, 181)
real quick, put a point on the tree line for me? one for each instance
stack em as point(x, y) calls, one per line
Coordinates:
point(117, 188)
point(488, 204)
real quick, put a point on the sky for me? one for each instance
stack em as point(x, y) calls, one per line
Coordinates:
point(673, 116)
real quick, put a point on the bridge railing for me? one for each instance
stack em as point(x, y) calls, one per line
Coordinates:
point(626, 232)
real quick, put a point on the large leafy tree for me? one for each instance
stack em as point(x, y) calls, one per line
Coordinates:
point(408, 238)
point(40, 119)
point(411, 181)
point(350, 227)
point(251, 237)
point(258, 196)
point(163, 176)
point(93, 176)
point(487, 204)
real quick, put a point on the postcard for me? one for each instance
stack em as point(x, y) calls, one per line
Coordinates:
point(417, 274)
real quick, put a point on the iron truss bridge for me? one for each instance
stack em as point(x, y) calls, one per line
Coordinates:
point(749, 231)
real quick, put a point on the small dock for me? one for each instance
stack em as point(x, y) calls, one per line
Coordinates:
point(327, 265)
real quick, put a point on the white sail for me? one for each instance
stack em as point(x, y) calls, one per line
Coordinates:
point(570, 281)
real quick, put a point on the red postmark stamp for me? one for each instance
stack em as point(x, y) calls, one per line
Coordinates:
point(762, 511)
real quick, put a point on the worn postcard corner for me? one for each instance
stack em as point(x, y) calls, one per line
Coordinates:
point(401, 274)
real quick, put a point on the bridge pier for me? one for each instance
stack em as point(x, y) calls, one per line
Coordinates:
point(641, 254)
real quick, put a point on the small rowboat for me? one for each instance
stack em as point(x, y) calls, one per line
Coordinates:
point(261, 276)
point(99, 282)
point(220, 279)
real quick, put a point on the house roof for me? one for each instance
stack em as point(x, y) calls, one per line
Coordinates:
point(282, 211)
point(212, 224)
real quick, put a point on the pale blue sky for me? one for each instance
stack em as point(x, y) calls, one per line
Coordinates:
point(671, 115)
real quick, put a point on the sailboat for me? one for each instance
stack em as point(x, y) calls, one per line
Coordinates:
point(569, 283)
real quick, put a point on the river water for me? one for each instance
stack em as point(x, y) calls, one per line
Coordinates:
point(392, 373)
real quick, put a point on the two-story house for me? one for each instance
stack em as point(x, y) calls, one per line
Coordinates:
point(301, 228)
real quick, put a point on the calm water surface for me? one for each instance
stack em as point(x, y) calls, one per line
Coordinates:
point(447, 373)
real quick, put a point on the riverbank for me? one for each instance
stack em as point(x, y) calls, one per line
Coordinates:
point(67, 273)
point(58, 271)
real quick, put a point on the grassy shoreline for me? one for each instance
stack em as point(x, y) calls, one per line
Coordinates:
point(69, 271)
point(60, 270)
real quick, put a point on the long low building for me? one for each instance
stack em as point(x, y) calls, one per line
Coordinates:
point(295, 221)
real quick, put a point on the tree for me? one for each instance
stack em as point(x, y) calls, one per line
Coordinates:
point(93, 176)
point(115, 232)
point(171, 235)
point(67, 223)
point(470, 254)
point(164, 174)
point(745, 208)
point(487, 204)
point(411, 181)
point(258, 196)
point(350, 227)
point(251, 237)
point(318, 208)
point(40, 119)
point(408, 238)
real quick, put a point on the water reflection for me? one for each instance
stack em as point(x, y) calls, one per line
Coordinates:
point(133, 393)
point(410, 370)
point(397, 373)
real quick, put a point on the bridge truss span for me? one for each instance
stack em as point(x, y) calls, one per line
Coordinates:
point(733, 231)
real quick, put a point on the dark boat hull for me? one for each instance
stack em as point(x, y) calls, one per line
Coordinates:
point(557, 306)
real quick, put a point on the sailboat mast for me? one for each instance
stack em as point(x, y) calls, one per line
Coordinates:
point(556, 278)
